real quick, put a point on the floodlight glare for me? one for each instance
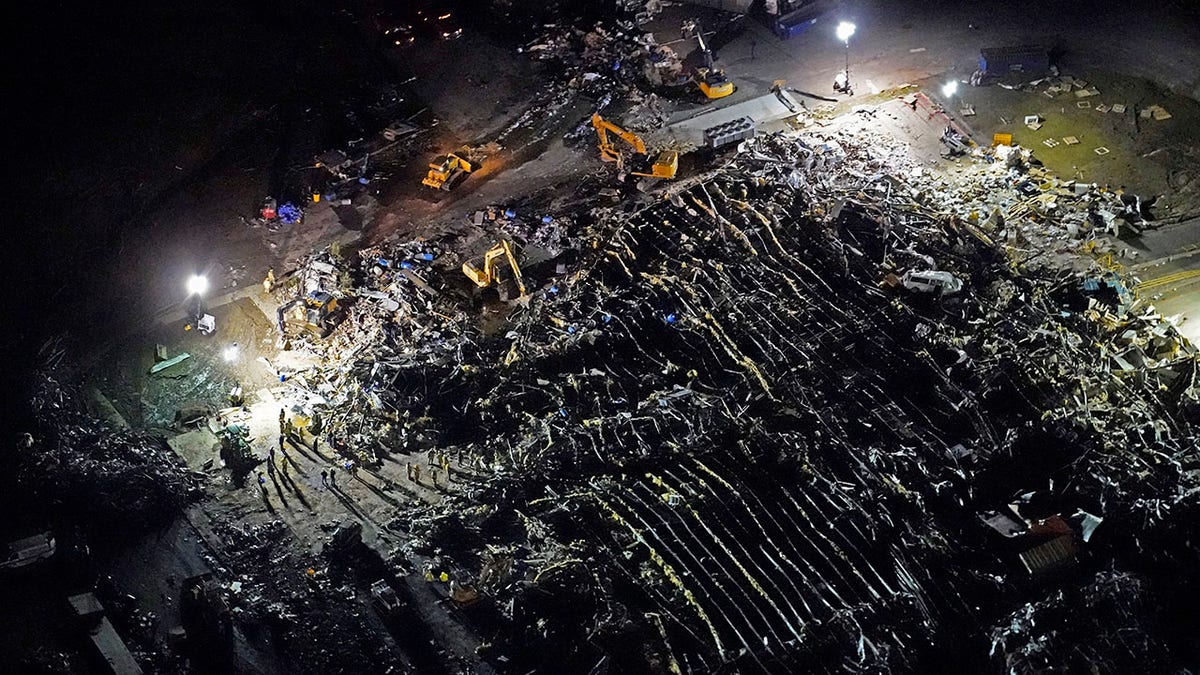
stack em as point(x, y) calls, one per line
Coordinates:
point(949, 89)
point(197, 284)
point(844, 30)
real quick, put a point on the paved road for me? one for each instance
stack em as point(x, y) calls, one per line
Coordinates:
point(897, 42)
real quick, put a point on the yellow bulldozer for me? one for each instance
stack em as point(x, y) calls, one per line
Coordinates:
point(484, 270)
point(664, 165)
point(445, 174)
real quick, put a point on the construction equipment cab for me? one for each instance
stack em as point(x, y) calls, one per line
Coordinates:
point(453, 167)
point(665, 165)
point(316, 314)
point(484, 270)
point(711, 80)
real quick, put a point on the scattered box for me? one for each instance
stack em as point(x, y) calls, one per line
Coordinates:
point(1100, 107)
point(1083, 104)
point(1070, 140)
point(1101, 150)
point(1002, 139)
point(1118, 108)
point(1033, 119)
point(1050, 143)
point(966, 110)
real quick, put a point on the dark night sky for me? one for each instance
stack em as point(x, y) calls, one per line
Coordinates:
point(103, 97)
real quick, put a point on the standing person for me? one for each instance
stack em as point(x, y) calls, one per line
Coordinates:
point(332, 477)
point(272, 452)
point(408, 469)
point(417, 473)
point(433, 473)
point(262, 483)
point(282, 417)
point(432, 455)
point(281, 437)
point(324, 477)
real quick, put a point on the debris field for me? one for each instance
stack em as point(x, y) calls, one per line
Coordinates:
point(735, 434)
point(813, 407)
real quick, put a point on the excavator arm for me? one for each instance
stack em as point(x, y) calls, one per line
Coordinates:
point(663, 166)
point(607, 150)
point(484, 274)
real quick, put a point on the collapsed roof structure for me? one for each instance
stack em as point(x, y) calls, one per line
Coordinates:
point(731, 433)
point(731, 437)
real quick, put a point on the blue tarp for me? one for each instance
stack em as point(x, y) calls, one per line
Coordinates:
point(290, 213)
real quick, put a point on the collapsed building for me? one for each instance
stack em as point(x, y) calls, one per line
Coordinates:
point(739, 433)
point(820, 409)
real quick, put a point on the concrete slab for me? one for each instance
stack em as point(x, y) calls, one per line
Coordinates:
point(196, 448)
point(763, 109)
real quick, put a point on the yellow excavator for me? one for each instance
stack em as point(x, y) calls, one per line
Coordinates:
point(445, 174)
point(483, 270)
point(665, 165)
point(711, 80)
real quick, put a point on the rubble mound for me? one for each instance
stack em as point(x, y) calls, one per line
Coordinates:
point(742, 436)
point(81, 467)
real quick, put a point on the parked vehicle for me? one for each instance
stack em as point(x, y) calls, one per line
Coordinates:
point(932, 281)
point(28, 551)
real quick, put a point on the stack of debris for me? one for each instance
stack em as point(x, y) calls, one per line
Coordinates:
point(770, 422)
point(735, 437)
point(83, 468)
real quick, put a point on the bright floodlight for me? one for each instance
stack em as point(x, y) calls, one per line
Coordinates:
point(197, 284)
point(231, 353)
point(949, 88)
point(844, 30)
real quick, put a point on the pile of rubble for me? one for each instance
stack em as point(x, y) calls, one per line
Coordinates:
point(80, 467)
point(309, 606)
point(751, 430)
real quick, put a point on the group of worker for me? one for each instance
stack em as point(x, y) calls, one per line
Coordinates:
point(438, 462)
